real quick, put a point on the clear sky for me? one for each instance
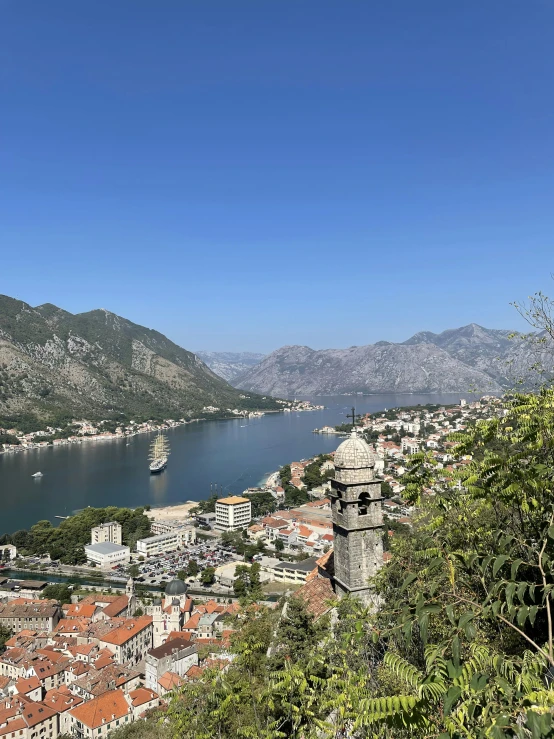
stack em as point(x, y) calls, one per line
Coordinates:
point(246, 174)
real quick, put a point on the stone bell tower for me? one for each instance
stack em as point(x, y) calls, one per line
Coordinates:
point(357, 513)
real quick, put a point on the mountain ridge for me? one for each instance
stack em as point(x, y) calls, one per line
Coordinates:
point(456, 360)
point(54, 363)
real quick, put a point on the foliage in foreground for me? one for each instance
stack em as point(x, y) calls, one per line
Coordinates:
point(462, 643)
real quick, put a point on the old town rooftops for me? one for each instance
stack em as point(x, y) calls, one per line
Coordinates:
point(101, 710)
point(127, 630)
point(32, 609)
point(176, 644)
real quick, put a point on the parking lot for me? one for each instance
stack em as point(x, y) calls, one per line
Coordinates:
point(160, 569)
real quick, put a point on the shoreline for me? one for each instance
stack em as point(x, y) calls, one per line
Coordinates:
point(28, 446)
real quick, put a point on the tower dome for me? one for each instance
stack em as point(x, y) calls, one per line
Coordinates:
point(175, 588)
point(354, 453)
point(354, 460)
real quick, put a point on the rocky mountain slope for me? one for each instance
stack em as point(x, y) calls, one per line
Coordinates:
point(230, 364)
point(457, 360)
point(55, 364)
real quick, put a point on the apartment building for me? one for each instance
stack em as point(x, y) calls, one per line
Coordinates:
point(233, 513)
point(167, 542)
point(130, 640)
point(35, 616)
point(110, 532)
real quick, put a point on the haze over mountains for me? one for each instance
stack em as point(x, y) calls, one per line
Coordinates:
point(230, 364)
point(54, 364)
point(456, 360)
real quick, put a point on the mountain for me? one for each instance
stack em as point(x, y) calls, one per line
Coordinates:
point(483, 348)
point(503, 355)
point(54, 364)
point(230, 364)
point(378, 368)
point(455, 360)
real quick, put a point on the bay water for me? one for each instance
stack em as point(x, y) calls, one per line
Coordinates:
point(231, 455)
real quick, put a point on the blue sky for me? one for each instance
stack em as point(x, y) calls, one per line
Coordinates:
point(247, 174)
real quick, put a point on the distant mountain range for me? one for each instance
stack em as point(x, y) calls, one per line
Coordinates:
point(230, 364)
point(457, 360)
point(94, 365)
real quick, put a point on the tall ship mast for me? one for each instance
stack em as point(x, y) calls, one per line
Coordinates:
point(159, 452)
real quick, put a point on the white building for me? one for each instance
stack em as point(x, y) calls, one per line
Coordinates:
point(8, 551)
point(110, 532)
point(232, 513)
point(166, 542)
point(409, 446)
point(107, 555)
point(176, 656)
point(165, 527)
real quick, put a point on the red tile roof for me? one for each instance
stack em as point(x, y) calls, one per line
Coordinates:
point(117, 607)
point(104, 709)
point(317, 594)
point(170, 680)
point(130, 628)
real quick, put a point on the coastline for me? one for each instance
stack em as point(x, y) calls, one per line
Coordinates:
point(150, 428)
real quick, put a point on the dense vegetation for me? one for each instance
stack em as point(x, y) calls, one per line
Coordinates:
point(462, 644)
point(66, 541)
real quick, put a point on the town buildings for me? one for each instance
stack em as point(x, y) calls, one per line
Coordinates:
point(176, 656)
point(173, 539)
point(19, 615)
point(107, 555)
point(233, 513)
point(107, 532)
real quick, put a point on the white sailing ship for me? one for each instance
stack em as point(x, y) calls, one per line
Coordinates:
point(159, 452)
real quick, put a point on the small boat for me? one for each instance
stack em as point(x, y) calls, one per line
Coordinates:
point(37, 474)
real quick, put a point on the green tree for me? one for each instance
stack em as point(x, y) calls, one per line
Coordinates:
point(192, 568)
point(5, 634)
point(208, 576)
point(134, 571)
point(57, 591)
point(279, 545)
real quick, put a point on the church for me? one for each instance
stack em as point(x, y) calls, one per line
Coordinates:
point(172, 613)
point(357, 515)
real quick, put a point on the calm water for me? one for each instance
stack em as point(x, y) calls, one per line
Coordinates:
point(233, 454)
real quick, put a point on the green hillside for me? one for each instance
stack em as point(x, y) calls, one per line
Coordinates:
point(55, 366)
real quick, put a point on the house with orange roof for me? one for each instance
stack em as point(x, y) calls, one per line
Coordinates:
point(79, 610)
point(49, 674)
point(29, 687)
point(256, 531)
point(62, 701)
point(96, 682)
point(5, 685)
point(129, 641)
point(97, 717)
point(75, 671)
point(73, 626)
point(170, 681)
point(21, 717)
point(176, 655)
point(142, 700)
point(118, 609)
point(273, 526)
